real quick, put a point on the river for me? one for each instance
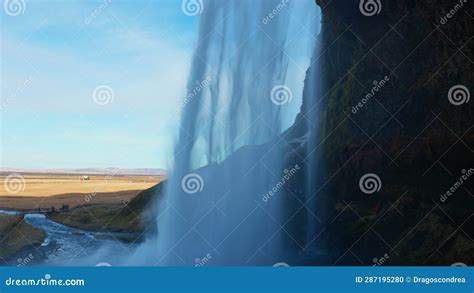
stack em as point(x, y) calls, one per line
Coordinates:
point(69, 246)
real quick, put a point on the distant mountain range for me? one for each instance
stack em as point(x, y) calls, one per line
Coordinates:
point(89, 171)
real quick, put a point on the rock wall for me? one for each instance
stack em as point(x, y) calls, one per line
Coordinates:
point(385, 108)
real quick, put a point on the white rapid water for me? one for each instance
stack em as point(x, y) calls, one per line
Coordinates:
point(245, 83)
point(70, 246)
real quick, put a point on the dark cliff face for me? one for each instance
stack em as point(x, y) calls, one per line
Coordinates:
point(385, 107)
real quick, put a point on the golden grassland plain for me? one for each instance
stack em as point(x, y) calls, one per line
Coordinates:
point(47, 191)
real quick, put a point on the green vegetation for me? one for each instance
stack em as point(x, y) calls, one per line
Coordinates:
point(120, 238)
point(134, 217)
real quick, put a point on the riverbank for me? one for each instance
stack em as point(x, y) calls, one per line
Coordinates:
point(17, 235)
point(135, 217)
point(79, 228)
point(101, 218)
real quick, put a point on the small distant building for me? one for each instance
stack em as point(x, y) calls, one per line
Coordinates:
point(86, 178)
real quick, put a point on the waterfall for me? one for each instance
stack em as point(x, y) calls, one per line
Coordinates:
point(241, 57)
point(224, 202)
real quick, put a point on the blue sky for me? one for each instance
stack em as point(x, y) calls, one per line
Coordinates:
point(56, 53)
